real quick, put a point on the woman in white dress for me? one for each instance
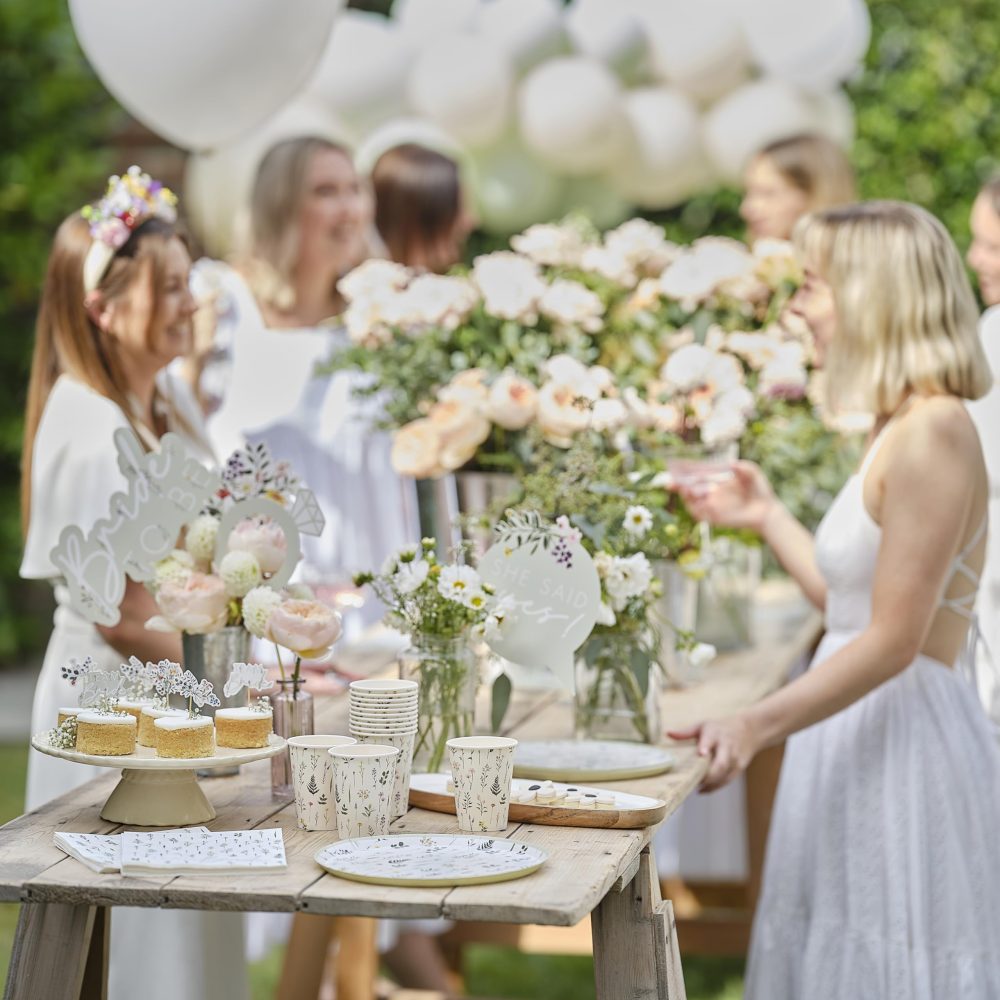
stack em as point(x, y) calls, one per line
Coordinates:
point(881, 878)
point(113, 315)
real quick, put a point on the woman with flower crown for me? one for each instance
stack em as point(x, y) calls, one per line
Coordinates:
point(115, 310)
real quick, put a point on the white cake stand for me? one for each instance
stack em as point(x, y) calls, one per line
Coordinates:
point(160, 791)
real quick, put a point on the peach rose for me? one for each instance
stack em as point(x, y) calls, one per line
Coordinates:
point(263, 539)
point(415, 450)
point(512, 403)
point(197, 606)
point(561, 413)
point(461, 430)
point(467, 387)
point(307, 628)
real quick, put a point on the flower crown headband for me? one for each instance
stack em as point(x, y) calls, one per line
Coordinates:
point(128, 202)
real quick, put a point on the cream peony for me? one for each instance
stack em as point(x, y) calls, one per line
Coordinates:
point(510, 284)
point(512, 402)
point(562, 413)
point(415, 450)
point(264, 539)
point(308, 628)
point(199, 539)
point(258, 605)
point(372, 278)
point(198, 605)
point(468, 387)
point(573, 304)
point(240, 572)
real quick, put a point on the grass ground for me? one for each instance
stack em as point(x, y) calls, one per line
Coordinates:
point(491, 972)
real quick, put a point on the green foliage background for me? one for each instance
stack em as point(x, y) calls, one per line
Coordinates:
point(928, 131)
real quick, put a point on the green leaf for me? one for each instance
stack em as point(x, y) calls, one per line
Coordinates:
point(502, 689)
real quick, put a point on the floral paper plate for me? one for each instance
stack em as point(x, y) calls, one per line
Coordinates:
point(589, 760)
point(430, 859)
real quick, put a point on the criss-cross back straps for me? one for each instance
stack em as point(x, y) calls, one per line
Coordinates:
point(964, 604)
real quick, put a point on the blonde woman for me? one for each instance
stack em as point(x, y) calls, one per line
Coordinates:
point(881, 877)
point(790, 177)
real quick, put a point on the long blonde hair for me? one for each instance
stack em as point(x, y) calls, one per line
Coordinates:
point(67, 341)
point(907, 320)
point(816, 166)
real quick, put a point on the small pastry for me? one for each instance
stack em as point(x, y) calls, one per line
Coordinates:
point(147, 734)
point(105, 734)
point(242, 728)
point(546, 793)
point(572, 800)
point(185, 737)
point(134, 706)
point(66, 713)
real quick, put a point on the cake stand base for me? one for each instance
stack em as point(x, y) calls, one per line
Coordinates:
point(157, 797)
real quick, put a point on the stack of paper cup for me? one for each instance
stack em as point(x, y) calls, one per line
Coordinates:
point(385, 712)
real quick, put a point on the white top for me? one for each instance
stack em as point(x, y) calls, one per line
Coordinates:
point(164, 713)
point(243, 714)
point(103, 719)
point(198, 722)
point(75, 469)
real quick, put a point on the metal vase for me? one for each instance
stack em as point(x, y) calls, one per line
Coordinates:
point(211, 657)
point(466, 496)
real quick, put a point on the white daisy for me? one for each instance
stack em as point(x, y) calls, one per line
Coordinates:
point(638, 520)
point(458, 583)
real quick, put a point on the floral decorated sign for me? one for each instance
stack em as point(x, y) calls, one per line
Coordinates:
point(552, 585)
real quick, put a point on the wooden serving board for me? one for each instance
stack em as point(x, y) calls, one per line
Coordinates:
point(631, 812)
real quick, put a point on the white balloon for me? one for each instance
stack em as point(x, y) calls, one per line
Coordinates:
point(597, 199)
point(529, 31)
point(698, 47)
point(402, 130)
point(512, 189)
point(362, 74)
point(421, 21)
point(202, 73)
point(463, 83)
point(217, 185)
point(668, 163)
point(751, 117)
point(610, 33)
point(571, 115)
point(834, 116)
point(815, 46)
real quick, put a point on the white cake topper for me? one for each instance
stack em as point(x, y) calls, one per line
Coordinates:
point(251, 676)
point(101, 689)
point(166, 489)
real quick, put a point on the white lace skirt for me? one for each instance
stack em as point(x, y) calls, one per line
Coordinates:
point(882, 877)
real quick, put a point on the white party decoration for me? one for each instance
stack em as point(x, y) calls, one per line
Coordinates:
point(217, 185)
point(166, 489)
point(201, 74)
point(815, 46)
point(834, 116)
point(529, 31)
point(699, 47)
point(751, 117)
point(422, 21)
point(609, 32)
point(553, 584)
point(252, 676)
point(668, 164)
point(513, 189)
point(463, 82)
point(570, 112)
point(597, 198)
point(363, 72)
point(402, 130)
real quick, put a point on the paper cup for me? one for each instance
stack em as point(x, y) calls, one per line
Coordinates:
point(370, 713)
point(363, 780)
point(404, 764)
point(482, 768)
point(382, 686)
point(312, 779)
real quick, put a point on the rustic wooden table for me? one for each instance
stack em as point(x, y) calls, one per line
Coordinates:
point(607, 873)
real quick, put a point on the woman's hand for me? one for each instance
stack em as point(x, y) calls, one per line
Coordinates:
point(744, 500)
point(729, 743)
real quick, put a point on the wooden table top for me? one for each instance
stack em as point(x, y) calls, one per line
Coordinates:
point(583, 863)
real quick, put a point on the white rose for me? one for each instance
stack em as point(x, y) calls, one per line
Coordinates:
point(643, 243)
point(410, 576)
point(550, 245)
point(435, 300)
point(561, 413)
point(374, 276)
point(510, 284)
point(611, 264)
point(783, 378)
point(468, 387)
point(608, 415)
point(688, 367)
point(563, 368)
point(416, 450)
point(573, 304)
point(365, 322)
point(723, 426)
point(738, 398)
point(699, 271)
point(701, 655)
point(628, 577)
point(461, 430)
point(512, 402)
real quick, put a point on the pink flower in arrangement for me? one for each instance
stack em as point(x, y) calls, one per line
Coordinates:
point(198, 605)
point(263, 539)
point(308, 628)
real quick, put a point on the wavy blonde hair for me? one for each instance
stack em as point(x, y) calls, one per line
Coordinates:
point(907, 320)
point(816, 166)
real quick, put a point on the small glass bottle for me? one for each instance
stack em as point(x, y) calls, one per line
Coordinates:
point(293, 716)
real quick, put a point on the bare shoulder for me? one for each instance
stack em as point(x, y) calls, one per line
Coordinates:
point(940, 427)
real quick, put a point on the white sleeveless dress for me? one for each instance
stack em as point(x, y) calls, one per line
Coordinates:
point(882, 878)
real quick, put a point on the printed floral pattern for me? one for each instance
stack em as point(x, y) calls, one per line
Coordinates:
point(312, 784)
point(363, 789)
point(482, 787)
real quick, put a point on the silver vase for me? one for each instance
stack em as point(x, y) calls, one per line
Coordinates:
point(468, 496)
point(211, 657)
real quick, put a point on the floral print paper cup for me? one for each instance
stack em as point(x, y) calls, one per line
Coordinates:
point(312, 779)
point(482, 768)
point(364, 777)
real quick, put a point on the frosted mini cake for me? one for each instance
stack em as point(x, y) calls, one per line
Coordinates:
point(134, 706)
point(185, 736)
point(242, 728)
point(105, 734)
point(67, 713)
point(147, 734)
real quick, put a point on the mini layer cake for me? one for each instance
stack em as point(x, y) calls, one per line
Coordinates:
point(105, 735)
point(185, 737)
point(242, 728)
point(66, 713)
point(134, 707)
point(147, 735)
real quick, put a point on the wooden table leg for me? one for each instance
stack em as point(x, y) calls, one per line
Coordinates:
point(50, 953)
point(357, 958)
point(95, 974)
point(305, 956)
point(635, 941)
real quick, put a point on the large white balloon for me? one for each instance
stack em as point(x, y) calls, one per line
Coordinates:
point(834, 116)
point(512, 189)
point(597, 199)
point(202, 73)
point(698, 47)
point(751, 117)
point(667, 164)
point(463, 82)
point(217, 185)
point(571, 115)
point(421, 21)
point(815, 46)
point(529, 31)
point(608, 32)
point(362, 74)
point(403, 130)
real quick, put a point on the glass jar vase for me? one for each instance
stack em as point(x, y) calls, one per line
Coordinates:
point(618, 686)
point(447, 670)
point(293, 716)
